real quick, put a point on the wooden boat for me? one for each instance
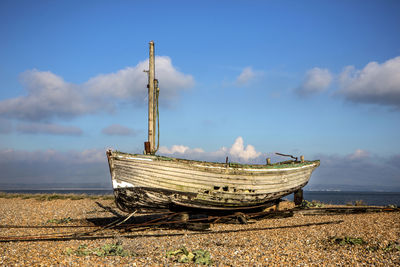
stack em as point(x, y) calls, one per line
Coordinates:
point(153, 182)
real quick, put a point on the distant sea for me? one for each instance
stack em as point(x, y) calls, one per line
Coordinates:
point(328, 197)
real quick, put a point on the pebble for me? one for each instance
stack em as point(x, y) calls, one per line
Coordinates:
point(285, 241)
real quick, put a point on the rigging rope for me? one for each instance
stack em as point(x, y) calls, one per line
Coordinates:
point(158, 116)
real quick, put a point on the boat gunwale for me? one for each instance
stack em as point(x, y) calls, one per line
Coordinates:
point(217, 165)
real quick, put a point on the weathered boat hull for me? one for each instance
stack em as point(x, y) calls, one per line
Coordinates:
point(144, 181)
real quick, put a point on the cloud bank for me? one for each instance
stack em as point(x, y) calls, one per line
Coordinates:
point(236, 153)
point(21, 169)
point(374, 84)
point(47, 128)
point(359, 170)
point(53, 156)
point(48, 96)
point(359, 154)
point(117, 129)
point(5, 126)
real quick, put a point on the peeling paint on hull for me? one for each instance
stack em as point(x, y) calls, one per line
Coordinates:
point(142, 181)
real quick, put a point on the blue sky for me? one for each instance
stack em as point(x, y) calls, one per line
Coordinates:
point(317, 78)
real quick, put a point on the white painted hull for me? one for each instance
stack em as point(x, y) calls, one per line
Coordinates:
point(143, 181)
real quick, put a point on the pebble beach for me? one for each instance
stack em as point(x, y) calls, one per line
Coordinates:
point(293, 241)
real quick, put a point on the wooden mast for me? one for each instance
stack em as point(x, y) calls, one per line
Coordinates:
point(151, 135)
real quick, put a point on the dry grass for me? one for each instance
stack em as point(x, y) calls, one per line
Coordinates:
point(49, 197)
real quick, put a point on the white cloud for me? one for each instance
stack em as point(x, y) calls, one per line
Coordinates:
point(175, 149)
point(47, 128)
point(130, 83)
point(49, 96)
point(375, 83)
point(238, 150)
point(316, 80)
point(245, 76)
point(117, 129)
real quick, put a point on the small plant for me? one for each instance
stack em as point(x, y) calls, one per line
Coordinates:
point(313, 204)
point(360, 203)
point(59, 221)
point(104, 251)
point(182, 255)
point(356, 203)
point(392, 247)
point(348, 241)
point(82, 250)
point(373, 248)
point(111, 250)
